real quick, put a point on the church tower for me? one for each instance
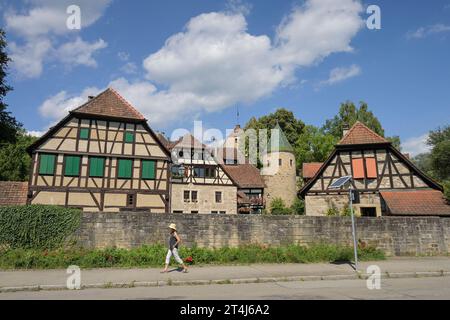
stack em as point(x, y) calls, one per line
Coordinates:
point(279, 169)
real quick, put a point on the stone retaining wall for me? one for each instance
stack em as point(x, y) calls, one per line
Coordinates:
point(395, 235)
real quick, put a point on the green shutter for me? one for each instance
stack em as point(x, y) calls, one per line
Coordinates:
point(96, 167)
point(84, 134)
point(72, 166)
point(129, 137)
point(47, 164)
point(148, 169)
point(125, 169)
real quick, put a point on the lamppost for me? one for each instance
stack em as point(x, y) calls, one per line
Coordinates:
point(338, 184)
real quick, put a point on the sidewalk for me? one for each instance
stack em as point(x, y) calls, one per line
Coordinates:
point(108, 278)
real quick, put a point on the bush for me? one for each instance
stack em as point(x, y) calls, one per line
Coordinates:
point(298, 207)
point(154, 256)
point(277, 207)
point(37, 226)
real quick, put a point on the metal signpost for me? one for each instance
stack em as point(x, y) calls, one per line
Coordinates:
point(339, 183)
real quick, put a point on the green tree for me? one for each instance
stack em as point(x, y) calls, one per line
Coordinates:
point(313, 145)
point(277, 207)
point(291, 126)
point(439, 140)
point(423, 162)
point(349, 114)
point(298, 207)
point(9, 126)
point(14, 159)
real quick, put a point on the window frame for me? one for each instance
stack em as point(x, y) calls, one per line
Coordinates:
point(55, 157)
point(90, 166)
point(81, 135)
point(67, 157)
point(220, 193)
point(196, 196)
point(121, 161)
point(127, 135)
point(142, 170)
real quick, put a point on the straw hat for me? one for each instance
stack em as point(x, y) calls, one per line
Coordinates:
point(173, 226)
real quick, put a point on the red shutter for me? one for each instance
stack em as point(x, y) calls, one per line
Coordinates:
point(371, 167)
point(358, 168)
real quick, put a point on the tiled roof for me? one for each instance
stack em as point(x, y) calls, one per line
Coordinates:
point(309, 170)
point(111, 104)
point(13, 193)
point(360, 134)
point(420, 202)
point(187, 141)
point(245, 175)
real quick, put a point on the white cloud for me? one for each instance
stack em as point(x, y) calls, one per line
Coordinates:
point(424, 32)
point(341, 74)
point(80, 52)
point(36, 134)
point(416, 145)
point(129, 68)
point(41, 26)
point(57, 106)
point(123, 56)
point(215, 63)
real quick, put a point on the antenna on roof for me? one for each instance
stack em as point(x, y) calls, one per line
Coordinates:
point(237, 115)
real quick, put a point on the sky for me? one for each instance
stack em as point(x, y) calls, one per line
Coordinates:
point(178, 61)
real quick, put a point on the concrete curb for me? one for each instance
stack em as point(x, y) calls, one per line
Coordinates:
point(164, 283)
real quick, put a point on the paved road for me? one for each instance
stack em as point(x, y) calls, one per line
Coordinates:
point(418, 288)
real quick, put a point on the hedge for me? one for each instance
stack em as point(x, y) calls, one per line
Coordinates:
point(37, 226)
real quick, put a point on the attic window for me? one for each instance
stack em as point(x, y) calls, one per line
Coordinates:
point(370, 170)
point(84, 134)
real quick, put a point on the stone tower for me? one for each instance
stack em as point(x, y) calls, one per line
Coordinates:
point(279, 169)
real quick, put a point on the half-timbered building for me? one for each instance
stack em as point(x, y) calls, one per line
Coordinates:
point(382, 176)
point(102, 156)
point(199, 182)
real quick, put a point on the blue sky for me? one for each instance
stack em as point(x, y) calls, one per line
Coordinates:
point(184, 60)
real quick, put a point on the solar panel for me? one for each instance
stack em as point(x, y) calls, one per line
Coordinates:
point(340, 182)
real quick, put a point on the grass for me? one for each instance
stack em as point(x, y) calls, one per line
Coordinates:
point(154, 255)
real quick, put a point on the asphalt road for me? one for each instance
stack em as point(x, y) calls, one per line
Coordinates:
point(414, 288)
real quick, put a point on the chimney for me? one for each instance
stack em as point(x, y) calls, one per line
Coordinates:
point(345, 130)
point(91, 97)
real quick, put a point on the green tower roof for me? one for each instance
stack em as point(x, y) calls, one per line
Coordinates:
point(283, 143)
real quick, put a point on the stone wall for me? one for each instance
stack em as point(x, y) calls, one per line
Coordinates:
point(395, 235)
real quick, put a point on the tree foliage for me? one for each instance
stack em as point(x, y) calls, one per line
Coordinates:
point(9, 126)
point(313, 145)
point(14, 159)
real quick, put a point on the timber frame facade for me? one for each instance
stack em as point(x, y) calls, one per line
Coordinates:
point(102, 157)
point(199, 183)
point(375, 165)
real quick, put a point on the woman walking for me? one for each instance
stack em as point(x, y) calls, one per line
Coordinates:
point(174, 241)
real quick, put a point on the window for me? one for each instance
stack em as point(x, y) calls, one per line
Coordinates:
point(125, 169)
point(222, 212)
point(218, 197)
point(369, 212)
point(187, 196)
point(214, 212)
point(194, 196)
point(292, 162)
point(96, 167)
point(47, 164)
point(199, 172)
point(194, 212)
point(210, 172)
point(84, 133)
point(178, 211)
point(130, 200)
point(358, 168)
point(129, 137)
point(148, 169)
point(72, 166)
point(280, 162)
point(371, 166)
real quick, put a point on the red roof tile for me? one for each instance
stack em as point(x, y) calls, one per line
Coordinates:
point(245, 175)
point(420, 202)
point(309, 170)
point(111, 104)
point(13, 193)
point(360, 134)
